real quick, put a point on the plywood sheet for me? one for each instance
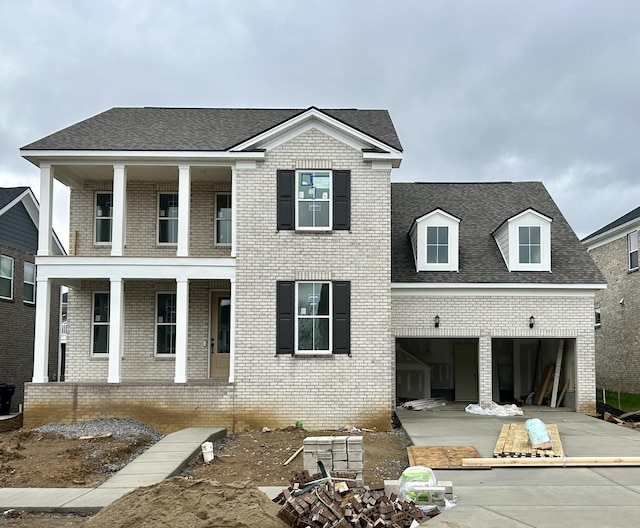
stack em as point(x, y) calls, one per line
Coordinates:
point(440, 457)
point(513, 442)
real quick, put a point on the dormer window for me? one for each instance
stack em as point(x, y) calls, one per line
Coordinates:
point(525, 241)
point(434, 238)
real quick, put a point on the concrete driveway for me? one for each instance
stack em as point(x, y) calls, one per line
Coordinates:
point(548, 497)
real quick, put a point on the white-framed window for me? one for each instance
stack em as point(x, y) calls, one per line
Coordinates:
point(529, 248)
point(223, 219)
point(103, 218)
point(6, 277)
point(313, 317)
point(168, 218)
point(598, 317)
point(313, 199)
point(29, 283)
point(100, 323)
point(632, 239)
point(437, 245)
point(165, 323)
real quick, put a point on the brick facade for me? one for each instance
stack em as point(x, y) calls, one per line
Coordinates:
point(17, 319)
point(490, 317)
point(618, 338)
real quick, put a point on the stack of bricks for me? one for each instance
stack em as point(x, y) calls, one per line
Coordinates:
point(337, 453)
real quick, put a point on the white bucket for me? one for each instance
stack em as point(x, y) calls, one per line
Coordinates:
point(207, 452)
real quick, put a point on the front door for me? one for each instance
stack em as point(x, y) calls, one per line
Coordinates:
point(220, 335)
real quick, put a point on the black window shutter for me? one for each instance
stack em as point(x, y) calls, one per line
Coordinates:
point(285, 316)
point(341, 200)
point(342, 317)
point(286, 201)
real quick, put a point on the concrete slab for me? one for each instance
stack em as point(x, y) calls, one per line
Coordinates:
point(39, 499)
point(134, 481)
point(95, 500)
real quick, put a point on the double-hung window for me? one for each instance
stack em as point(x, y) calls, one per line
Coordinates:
point(223, 219)
point(313, 202)
point(29, 283)
point(103, 217)
point(168, 218)
point(529, 245)
point(437, 245)
point(6, 277)
point(632, 239)
point(313, 317)
point(165, 324)
point(100, 323)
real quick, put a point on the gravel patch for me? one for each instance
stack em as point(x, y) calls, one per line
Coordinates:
point(124, 429)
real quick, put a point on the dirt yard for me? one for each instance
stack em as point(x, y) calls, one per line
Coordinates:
point(253, 458)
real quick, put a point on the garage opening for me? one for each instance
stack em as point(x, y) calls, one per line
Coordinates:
point(432, 368)
point(521, 367)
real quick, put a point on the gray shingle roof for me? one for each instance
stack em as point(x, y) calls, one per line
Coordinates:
point(482, 207)
point(8, 194)
point(195, 129)
point(631, 215)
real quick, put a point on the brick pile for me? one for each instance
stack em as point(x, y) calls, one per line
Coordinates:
point(337, 501)
point(337, 453)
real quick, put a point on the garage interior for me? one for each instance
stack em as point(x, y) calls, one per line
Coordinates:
point(448, 368)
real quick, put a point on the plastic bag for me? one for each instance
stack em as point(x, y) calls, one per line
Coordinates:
point(494, 409)
point(412, 479)
point(539, 436)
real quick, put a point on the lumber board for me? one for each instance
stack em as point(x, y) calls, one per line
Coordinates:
point(551, 461)
point(542, 387)
point(556, 377)
point(440, 457)
point(564, 391)
point(513, 441)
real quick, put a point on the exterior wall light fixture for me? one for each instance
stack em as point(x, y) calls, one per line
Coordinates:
point(436, 321)
point(532, 321)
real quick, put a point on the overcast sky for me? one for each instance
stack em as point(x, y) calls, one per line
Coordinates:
point(478, 90)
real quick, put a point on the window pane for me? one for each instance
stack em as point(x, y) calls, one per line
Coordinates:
point(313, 298)
point(166, 339)
point(223, 206)
point(305, 334)
point(633, 260)
point(168, 231)
point(534, 235)
point(101, 308)
point(535, 255)
point(103, 230)
point(321, 334)
point(524, 235)
point(168, 205)
point(432, 235)
point(29, 293)
point(29, 272)
point(104, 206)
point(443, 255)
point(5, 288)
point(6, 267)
point(101, 339)
point(313, 213)
point(443, 235)
point(524, 255)
point(633, 241)
point(223, 232)
point(432, 254)
point(166, 308)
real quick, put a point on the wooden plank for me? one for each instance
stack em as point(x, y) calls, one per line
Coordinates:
point(551, 461)
point(542, 387)
point(564, 390)
point(502, 438)
point(514, 442)
point(556, 378)
point(440, 457)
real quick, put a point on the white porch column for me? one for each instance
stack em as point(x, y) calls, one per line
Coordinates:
point(119, 210)
point(116, 329)
point(41, 341)
point(182, 329)
point(184, 204)
point(46, 202)
point(485, 381)
point(234, 194)
point(232, 332)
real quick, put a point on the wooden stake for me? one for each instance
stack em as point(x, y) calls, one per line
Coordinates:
point(293, 456)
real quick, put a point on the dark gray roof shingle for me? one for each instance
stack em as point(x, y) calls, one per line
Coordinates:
point(8, 194)
point(631, 215)
point(196, 129)
point(482, 207)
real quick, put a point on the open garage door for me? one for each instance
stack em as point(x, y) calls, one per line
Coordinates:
point(433, 368)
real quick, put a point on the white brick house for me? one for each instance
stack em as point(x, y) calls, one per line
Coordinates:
point(234, 267)
point(227, 266)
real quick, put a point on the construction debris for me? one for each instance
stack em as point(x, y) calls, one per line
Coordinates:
point(321, 500)
point(427, 403)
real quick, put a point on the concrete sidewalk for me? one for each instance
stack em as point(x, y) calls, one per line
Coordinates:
point(164, 459)
point(548, 497)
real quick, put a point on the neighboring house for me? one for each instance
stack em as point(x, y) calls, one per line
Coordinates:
point(488, 280)
point(614, 248)
point(226, 266)
point(19, 219)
